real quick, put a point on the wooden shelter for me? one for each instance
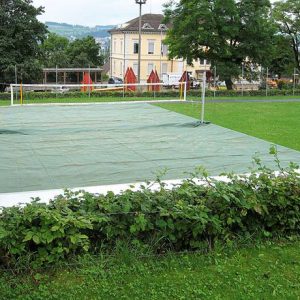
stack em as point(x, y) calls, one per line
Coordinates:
point(61, 74)
point(153, 78)
point(130, 78)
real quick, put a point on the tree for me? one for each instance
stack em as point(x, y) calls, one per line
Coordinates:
point(84, 52)
point(225, 32)
point(54, 51)
point(282, 57)
point(287, 17)
point(59, 51)
point(20, 36)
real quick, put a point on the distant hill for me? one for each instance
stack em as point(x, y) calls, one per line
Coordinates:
point(78, 31)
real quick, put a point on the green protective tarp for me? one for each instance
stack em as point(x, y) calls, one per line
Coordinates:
point(52, 147)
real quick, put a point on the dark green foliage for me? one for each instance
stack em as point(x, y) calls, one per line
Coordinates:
point(54, 51)
point(20, 36)
point(282, 63)
point(189, 217)
point(42, 232)
point(59, 51)
point(286, 15)
point(286, 90)
point(84, 52)
point(227, 33)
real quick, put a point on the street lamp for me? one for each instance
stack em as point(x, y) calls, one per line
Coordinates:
point(140, 2)
point(294, 80)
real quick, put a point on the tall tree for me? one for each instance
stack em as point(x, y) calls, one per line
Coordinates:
point(20, 36)
point(84, 52)
point(287, 17)
point(282, 61)
point(54, 51)
point(225, 32)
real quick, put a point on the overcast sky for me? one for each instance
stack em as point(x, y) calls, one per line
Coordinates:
point(94, 12)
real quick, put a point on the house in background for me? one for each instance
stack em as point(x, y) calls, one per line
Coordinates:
point(124, 50)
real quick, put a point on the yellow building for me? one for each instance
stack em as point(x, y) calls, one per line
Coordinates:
point(154, 55)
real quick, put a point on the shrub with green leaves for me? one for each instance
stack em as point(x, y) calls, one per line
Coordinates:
point(188, 217)
point(151, 95)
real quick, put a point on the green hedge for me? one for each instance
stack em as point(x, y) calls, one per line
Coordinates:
point(262, 93)
point(188, 217)
point(167, 93)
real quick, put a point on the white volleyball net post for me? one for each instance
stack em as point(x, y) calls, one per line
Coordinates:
point(23, 94)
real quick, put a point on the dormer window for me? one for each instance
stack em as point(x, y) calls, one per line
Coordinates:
point(162, 27)
point(147, 26)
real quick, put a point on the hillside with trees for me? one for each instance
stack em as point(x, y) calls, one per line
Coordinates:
point(78, 31)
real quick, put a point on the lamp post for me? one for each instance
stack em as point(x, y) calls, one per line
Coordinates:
point(140, 2)
point(294, 80)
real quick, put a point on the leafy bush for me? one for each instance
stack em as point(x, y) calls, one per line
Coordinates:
point(285, 85)
point(166, 93)
point(188, 217)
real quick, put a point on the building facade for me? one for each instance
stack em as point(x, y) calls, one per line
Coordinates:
point(124, 49)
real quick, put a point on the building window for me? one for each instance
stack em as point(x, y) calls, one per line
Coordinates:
point(150, 68)
point(135, 68)
point(151, 47)
point(164, 50)
point(147, 26)
point(121, 46)
point(135, 47)
point(115, 46)
point(114, 69)
point(164, 68)
point(162, 27)
point(180, 66)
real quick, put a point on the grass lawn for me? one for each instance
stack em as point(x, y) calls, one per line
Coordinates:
point(232, 98)
point(274, 122)
point(269, 271)
point(265, 271)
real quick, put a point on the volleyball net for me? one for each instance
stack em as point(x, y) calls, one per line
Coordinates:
point(22, 94)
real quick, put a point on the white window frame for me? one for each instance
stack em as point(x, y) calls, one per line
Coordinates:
point(136, 42)
point(121, 51)
point(164, 50)
point(164, 68)
point(135, 67)
point(150, 68)
point(115, 46)
point(151, 47)
point(121, 68)
point(114, 68)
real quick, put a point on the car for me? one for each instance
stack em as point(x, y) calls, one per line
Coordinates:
point(195, 84)
point(115, 80)
point(60, 89)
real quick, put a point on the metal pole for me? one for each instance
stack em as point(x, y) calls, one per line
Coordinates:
point(267, 82)
point(89, 81)
point(56, 75)
point(161, 53)
point(16, 79)
point(242, 79)
point(110, 57)
point(11, 95)
point(185, 90)
point(215, 75)
point(21, 93)
point(140, 44)
point(56, 80)
point(294, 81)
point(203, 93)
